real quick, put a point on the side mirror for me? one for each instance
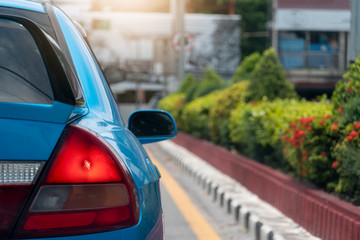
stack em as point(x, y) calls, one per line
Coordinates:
point(152, 125)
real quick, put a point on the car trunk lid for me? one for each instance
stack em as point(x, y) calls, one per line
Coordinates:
point(28, 136)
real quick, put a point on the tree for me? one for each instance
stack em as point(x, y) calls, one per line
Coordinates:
point(253, 19)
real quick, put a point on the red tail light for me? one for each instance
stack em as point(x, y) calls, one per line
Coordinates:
point(86, 190)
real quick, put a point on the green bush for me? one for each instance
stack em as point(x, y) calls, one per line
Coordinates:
point(189, 86)
point(346, 98)
point(211, 81)
point(246, 67)
point(227, 100)
point(309, 143)
point(257, 128)
point(195, 116)
point(174, 104)
point(347, 153)
point(349, 88)
point(268, 79)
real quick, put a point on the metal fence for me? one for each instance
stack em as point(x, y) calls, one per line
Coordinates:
point(309, 60)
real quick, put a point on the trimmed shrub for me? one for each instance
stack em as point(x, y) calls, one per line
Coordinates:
point(351, 111)
point(210, 82)
point(347, 153)
point(257, 128)
point(189, 86)
point(173, 104)
point(268, 79)
point(195, 115)
point(246, 67)
point(227, 100)
point(309, 142)
point(346, 98)
point(349, 88)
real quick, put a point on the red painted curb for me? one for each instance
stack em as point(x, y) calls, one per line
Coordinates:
point(322, 214)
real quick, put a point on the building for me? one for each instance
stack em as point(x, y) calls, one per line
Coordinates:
point(312, 41)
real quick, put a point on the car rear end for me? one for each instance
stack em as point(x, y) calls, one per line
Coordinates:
point(69, 168)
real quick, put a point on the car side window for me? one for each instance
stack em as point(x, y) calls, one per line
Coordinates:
point(24, 78)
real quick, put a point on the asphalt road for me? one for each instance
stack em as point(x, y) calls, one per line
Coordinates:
point(193, 216)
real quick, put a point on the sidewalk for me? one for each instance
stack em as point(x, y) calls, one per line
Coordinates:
point(261, 219)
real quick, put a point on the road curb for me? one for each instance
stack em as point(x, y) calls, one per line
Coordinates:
point(221, 196)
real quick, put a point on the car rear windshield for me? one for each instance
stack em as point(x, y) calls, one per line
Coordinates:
point(24, 78)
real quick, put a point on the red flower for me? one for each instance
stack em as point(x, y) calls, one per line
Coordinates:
point(252, 103)
point(310, 119)
point(340, 109)
point(303, 172)
point(300, 163)
point(354, 134)
point(306, 119)
point(309, 128)
point(335, 164)
point(323, 154)
point(350, 90)
point(327, 116)
point(334, 127)
point(322, 122)
point(357, 125)
point(293, 124)
point(300, 133)
point(349, 138)
point(284, 137)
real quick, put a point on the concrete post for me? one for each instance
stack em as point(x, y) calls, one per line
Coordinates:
point(355, 30)
point(178, 11)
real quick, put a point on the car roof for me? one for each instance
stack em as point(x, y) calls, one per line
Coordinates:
point(24, 4)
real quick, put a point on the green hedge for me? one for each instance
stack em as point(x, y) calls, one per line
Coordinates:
point(174, 104)
point(318, 141)
point(348, 88)
point(195, 116)
point(268, 79)
point(257, 128)
point(309, 142)
point(189, 86)
point(246, 67)
point(346, 153)
point(227, 100)
point(209, 82)
point(346, 99)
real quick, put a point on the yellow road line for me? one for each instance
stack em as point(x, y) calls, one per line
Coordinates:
point(197, 222)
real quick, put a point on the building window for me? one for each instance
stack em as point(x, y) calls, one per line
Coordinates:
point(309, 50)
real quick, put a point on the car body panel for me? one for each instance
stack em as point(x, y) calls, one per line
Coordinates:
point(32, 6)
point(31, 131)
point(96, 91)
point(55, 113)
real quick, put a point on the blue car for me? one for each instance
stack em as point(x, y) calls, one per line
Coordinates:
point(69, 167)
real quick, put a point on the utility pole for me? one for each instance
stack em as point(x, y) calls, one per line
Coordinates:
point(232, 7)
point(355, 30)
point(178, 12)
